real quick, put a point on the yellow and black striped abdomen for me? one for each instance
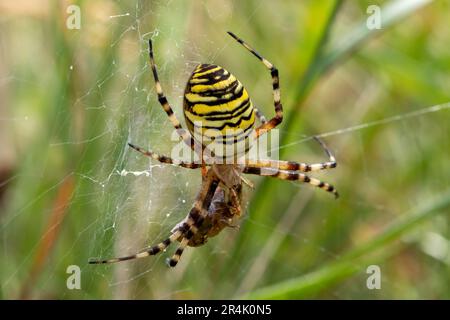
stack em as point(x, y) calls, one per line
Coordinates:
point(218, 110)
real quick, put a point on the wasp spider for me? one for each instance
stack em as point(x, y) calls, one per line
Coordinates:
point(217, 106)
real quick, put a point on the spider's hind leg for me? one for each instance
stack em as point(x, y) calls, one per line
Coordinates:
point(183, 232)
point(197, 215)
point(142, 254)
point(172, 262)
point(290, 175)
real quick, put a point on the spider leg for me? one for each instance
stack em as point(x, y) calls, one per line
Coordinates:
point(245, 180)
point(275, 121)
point(172, 262)
point(194, 222)
point(186, 231)
point(290, 175)
point(290, 165)
point(197, 215)
point(236, 201)
point(295, 166)
point(142, 254)
point(185, 135)
point(165, 159)
point(326, 149)
point(260, 115)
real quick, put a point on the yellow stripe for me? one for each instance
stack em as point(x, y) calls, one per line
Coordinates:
point(219, 122)
point(216, 86)
point(192, 97)
point(199, 74)
point(226, 134)
point(227, 129)
point(195, 81)
point(237, 134)
point(142, 255)
point(196, 98)
point(200, 108)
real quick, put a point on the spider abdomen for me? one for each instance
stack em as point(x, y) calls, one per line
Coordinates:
point(218, 111)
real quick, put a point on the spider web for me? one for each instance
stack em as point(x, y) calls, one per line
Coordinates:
point(137, 201)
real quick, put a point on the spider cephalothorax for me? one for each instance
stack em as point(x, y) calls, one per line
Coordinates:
point(221, 121)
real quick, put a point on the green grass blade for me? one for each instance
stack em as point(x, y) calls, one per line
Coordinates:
point(324, 60)
point(312, 283)
point(392, 13)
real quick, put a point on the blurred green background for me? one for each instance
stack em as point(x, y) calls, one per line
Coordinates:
point(71, 189)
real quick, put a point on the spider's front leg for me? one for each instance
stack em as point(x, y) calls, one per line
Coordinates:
point(184, 135)
point(278, 118)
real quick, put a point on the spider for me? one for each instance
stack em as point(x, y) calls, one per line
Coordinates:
point(218, 107)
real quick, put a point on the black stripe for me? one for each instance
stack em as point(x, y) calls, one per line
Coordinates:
point(228, 124)
point(172, 262)
point(235, 139)
point(211, 79)
point(165, 159)
point(210, 75)
point(220, 92)
point(199, 221)
point(204, 67)
point(162, 99)
point(274, 72)
point(241, 133)
point(293, 165)
point(252, 170)
point(209, 194)
point(154, 250)
point(242, 108)
point(276, 85)
point(217, 94)
point(155, 73)
point(189, 234)
point(195, 215)
point(192, 142)
point(183, 228)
